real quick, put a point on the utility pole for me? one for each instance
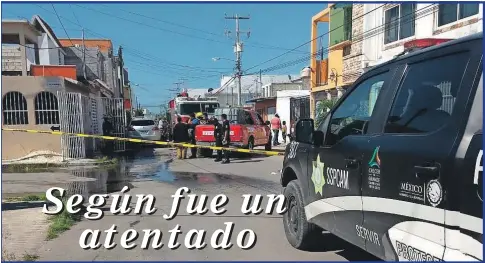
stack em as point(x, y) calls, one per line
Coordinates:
point(84, 56)
point(238, 48)
point(179, 83)
point(120, 72)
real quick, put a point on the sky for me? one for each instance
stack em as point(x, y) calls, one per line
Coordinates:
point(164, 43)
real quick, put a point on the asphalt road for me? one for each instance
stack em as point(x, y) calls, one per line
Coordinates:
point(155, 172)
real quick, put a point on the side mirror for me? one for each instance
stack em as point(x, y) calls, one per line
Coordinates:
point(267, 122)
point(304, 131)
point(318, 137)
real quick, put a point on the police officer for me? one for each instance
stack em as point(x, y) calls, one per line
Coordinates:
point(218, 137)
point(193, 123)
point(108, 131)
point(226, 136)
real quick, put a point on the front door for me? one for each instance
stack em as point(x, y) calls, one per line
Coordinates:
point(408, 166)
point(335, 168)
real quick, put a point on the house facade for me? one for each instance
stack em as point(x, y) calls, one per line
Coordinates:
point(379, 31)
point(328, 79)
point(42, 89)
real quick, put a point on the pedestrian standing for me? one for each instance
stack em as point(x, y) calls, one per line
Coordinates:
point(276, 126)
point(181, 135)
point(284, 131)
point(193, 123)
point(226, 136)
point(218, 137)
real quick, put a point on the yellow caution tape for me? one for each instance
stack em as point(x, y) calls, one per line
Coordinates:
point(269, 153)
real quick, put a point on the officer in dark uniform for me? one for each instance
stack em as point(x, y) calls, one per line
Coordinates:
point(226, 136)
point(193, 123)
point(108, 131)
point(218, 137)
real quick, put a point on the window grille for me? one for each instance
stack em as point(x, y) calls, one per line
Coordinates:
point(14, 108)
point(46, 108)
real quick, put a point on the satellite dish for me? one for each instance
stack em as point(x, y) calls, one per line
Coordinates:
point(210, 90)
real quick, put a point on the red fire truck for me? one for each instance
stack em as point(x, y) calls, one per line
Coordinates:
point(183, 105)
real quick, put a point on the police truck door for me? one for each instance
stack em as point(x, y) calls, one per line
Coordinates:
point(335, 171)
point(407, 169)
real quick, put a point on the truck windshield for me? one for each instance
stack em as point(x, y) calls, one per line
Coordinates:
point(186, 109)
point(209, 107)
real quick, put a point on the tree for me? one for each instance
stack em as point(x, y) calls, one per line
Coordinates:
point(322, 108)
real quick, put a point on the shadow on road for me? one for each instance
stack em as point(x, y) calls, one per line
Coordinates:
point(343, 248)
point(21, 205)
point(246, 161)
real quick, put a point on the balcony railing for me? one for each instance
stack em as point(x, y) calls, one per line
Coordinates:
point(321, 73)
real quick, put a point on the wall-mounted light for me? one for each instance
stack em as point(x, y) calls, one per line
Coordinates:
point(334, 75)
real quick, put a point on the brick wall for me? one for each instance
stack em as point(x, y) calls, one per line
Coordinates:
point(74, 56)
point(353, 61)
point(11, 58)
point(98, 65)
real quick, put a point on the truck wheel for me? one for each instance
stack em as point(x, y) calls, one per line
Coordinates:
point(299, 232)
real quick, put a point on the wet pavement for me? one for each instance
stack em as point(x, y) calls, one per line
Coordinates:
point(154, 171)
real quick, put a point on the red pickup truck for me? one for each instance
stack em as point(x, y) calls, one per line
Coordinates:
point(248, 130)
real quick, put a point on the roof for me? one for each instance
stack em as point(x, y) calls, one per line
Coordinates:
point(261, 99)
point(24, 22)
point(15, 21)
point(104, 45)
point(475, 36)
point(251, 83)
point(38, 21)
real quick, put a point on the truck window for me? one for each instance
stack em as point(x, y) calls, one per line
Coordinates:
point(353, 114)
point(248, 118)
point(188, 108)
point(209, 107)
point(260, 120)
point(425, 100)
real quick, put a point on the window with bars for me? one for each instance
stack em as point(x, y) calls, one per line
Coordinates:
point(399, 22)
point(14, 108)
point(449, 13)
point(46, 108)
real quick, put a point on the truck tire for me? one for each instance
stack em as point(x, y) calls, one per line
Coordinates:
point(299, 232)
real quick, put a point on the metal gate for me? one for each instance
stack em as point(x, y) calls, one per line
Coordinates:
point(114, 109)
point(81, 114)
point(299, 109)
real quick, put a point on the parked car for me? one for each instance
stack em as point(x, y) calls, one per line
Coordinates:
point(144, 128)
point(248, 130)
point(395, 167)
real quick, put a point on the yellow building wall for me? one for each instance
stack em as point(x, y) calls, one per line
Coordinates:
point(336, 65)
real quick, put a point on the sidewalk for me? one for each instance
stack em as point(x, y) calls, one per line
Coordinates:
point(279, 148)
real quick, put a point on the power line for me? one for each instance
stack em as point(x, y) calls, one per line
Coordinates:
point(124, 45)
point(371, 33)
point(328, 32)
point(151, 26)
point(60, 21)
point(203, 31)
